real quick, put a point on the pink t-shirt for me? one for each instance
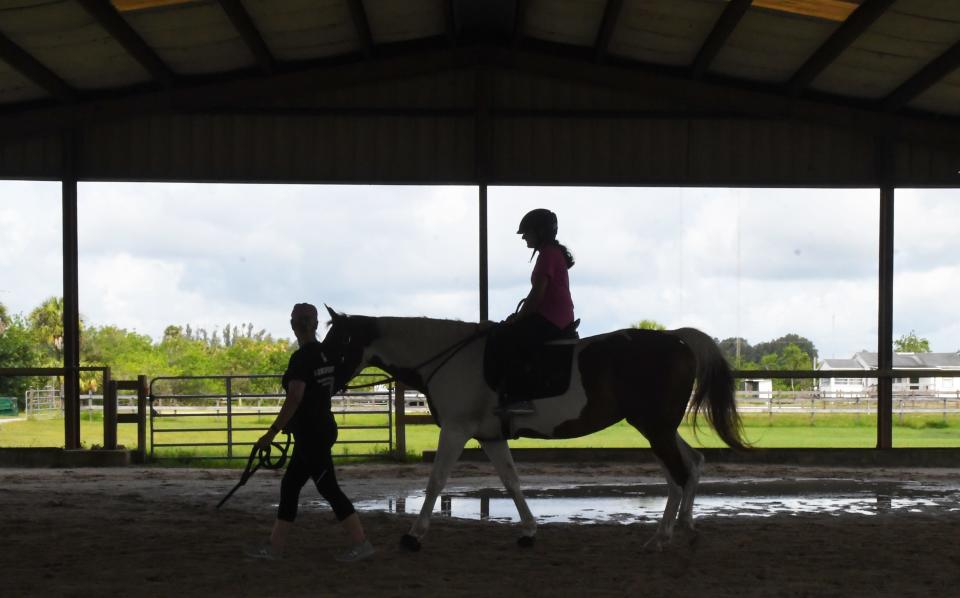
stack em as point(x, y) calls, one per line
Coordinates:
point(557, 306)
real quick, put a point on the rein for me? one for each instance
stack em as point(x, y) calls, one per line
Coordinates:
point(449, 352)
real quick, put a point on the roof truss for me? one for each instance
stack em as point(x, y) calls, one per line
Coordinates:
point(32, 69)
point(847, 33)
point(362, 25)
point(700, 97)
point(611, 13)
point(248, 32)
point(104, 13)
point(945, 64)
point(725, 25)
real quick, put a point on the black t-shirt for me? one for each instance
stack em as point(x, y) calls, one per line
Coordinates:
point(309, 365)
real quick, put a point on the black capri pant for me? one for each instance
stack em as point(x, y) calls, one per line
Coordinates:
point(311, 459)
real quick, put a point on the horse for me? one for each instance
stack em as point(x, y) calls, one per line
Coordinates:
point(644, 376)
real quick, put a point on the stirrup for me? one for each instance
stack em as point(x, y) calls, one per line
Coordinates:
point(523, 407)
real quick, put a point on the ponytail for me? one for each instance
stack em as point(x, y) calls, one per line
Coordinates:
point(567, 256)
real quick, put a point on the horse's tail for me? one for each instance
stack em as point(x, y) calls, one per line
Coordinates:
point(715, 388)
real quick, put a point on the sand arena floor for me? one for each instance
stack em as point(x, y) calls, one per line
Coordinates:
point(155, 532)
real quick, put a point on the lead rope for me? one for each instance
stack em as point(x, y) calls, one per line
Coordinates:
point(264, 460)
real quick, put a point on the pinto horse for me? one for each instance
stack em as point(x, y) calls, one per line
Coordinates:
point(643, 376)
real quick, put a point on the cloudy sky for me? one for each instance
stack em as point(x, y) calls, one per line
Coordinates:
point(757, 263)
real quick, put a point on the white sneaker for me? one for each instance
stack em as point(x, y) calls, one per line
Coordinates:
point(263, 552)
point(359, 552)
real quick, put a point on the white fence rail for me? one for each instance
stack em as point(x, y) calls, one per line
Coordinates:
point(48, 403)
point(812, 402)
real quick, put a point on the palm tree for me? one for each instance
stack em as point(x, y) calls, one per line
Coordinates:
point(46, 321)
point(4, 318)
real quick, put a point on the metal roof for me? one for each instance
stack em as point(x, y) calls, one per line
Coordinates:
point(868, 360)
point(856, 68)
point(79, 42)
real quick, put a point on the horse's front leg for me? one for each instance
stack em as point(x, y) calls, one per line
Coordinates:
point(499, 454)
point(449, 449)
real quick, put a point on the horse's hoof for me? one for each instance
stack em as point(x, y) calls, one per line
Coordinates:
point(654, 544)
point(409, 543)
point(526, 541)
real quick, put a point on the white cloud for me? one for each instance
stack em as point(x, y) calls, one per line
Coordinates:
point(159, 254)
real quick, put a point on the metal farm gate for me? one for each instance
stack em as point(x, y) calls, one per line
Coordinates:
point(221, 417)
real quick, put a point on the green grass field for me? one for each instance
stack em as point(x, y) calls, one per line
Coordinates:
point(782, 431)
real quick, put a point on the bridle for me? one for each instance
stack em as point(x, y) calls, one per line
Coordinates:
point(445, 355)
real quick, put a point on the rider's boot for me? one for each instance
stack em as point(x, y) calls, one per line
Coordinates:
point(510, 406)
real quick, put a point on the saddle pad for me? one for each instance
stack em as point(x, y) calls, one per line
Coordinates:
point(546, 373)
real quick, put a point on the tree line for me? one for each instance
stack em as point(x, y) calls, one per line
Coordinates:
point(789, 352)
point(36, 340)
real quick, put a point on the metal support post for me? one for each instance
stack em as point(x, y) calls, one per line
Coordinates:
point(142, 418)
point(885, 300)
point(400, 405)
point(110, 415)
point(229, 417)
point(482, 141)
point(71, 309)
point(484, 278)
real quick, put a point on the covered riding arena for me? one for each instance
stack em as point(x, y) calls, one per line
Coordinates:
point(817, 94)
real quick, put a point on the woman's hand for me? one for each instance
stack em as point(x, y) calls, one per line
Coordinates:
point(265, 440)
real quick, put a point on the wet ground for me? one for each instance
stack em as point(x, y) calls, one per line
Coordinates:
point(764, 531)
point(610, 503)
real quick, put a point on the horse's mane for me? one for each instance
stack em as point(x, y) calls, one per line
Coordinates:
point(436, 322)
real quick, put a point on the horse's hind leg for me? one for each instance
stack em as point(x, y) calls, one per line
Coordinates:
point(668, 451)
point(694, 461)
point(449, 449)
point(499, 454)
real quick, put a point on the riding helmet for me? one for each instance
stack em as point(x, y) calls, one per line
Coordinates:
point(541, 221)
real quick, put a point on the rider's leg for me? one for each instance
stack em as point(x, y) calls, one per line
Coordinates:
point(449, 449)
point(524, 337)
point(499, 454)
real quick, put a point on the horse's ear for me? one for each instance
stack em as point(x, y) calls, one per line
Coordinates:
point(332, 313)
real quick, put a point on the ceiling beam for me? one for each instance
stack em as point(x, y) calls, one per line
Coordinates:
point(725, 25)
point(30, 67)
point(248, 32)
point(450, 22)
point(362, 25)
point(686, 93)
point(107, 17)
point(945, 64)
point(191, 96)
point(859, 21)
point(611, 13)
point(716, 96)
point(519, 22)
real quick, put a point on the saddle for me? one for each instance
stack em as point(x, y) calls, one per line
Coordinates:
point(544, 373)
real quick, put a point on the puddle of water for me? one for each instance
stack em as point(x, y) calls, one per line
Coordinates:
point(631, 504)
point(639, 509)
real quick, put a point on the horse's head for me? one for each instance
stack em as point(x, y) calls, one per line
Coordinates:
point(347, 341)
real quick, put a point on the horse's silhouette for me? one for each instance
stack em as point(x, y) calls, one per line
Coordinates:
point(643, 376)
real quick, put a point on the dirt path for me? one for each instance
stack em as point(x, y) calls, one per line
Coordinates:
point(154, 532)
